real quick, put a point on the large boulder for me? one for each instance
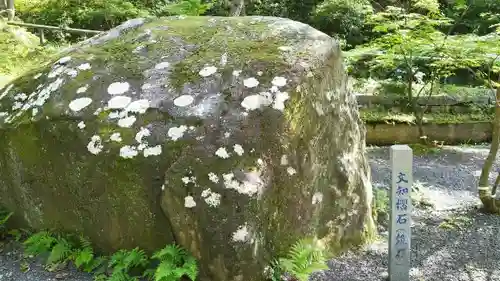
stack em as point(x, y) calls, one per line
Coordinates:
point(233, 137)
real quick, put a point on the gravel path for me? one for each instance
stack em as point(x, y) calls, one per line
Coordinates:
point(469, 252)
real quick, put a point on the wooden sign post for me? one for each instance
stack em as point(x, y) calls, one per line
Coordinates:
point(401, 208)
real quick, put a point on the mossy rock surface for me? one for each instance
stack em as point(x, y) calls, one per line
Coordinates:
point(233, 137)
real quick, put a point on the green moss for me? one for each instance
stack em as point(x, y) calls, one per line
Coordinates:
point(209, 40)
point(92, 191)
point(371, 116)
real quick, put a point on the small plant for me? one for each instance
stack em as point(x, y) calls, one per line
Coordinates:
point(304, 258)
point(4, 217)
point(380, 205)
point(39, 243)
point(124, 261)
point(175, 263)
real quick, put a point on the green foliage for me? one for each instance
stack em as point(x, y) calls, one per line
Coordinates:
point(188, 8)
point(344, 19)
point(174, 264)
point(19, 51)
point(60, 252)
point(304, 258)
point(380, 205)
point(39, 243)
point(4, 217)
point(92, 14)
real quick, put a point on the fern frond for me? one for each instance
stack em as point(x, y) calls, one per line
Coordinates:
point(39, 243)
point(165, 272)
point(135, 257)
point(60, 252)
point(190, 268)
point(172, 253)
point(84, 257)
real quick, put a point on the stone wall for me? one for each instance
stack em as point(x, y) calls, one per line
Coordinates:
point(437, 103)
point(388, 134)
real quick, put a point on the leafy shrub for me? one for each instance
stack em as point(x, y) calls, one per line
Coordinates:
point(19, 51)
point(304, 258)
point(92, 14)
point(175, 263)
point(343, 18)
point(380, 205)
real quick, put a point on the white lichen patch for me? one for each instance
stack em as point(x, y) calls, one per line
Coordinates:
point(253, 102)
point(207, 71)
point(143, 132)
point(279, 81)
point(284, 160)
point(128, 152)
point(21, 96)
point(211, 198)
point(71, 72)
point(238, 149)
point(152, 151)
point(236, 73)
point(259, 73)
point(189, 202)
point(6, 91)
point(98, 111)
point(319, 109)
point(82, 90)
point(64, 60)
point(250, 187)
point(251, 82)
point(138, 106)
point(241, 234)
point(291, 171)
point(227, 134)
point(95, 145)
point(17, 105)
point(176, 133)
point(118, 88)
point(84, 66)
point(162, 65)
point(116, 137)
point(81, 125)
point(127, 122)
point(119, 102)
point(56, 72)
point(79, 104)
point(213, 177)
point(317, 198)
point(284, 48)
point(183, 100)
point(222, 153)
point(223, 59)
point(279, 102)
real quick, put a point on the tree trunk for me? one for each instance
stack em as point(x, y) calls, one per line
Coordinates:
point(237, 8)
point(10, 10)
point(485, 191)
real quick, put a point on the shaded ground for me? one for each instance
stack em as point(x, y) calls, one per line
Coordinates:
point(469, 251)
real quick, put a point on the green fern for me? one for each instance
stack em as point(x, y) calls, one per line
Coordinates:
point(39, 243)
point(84, 256)
point(125, 260)
point(303, 259)
point(174, 264)
point(61, 251)
point(172, 253)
